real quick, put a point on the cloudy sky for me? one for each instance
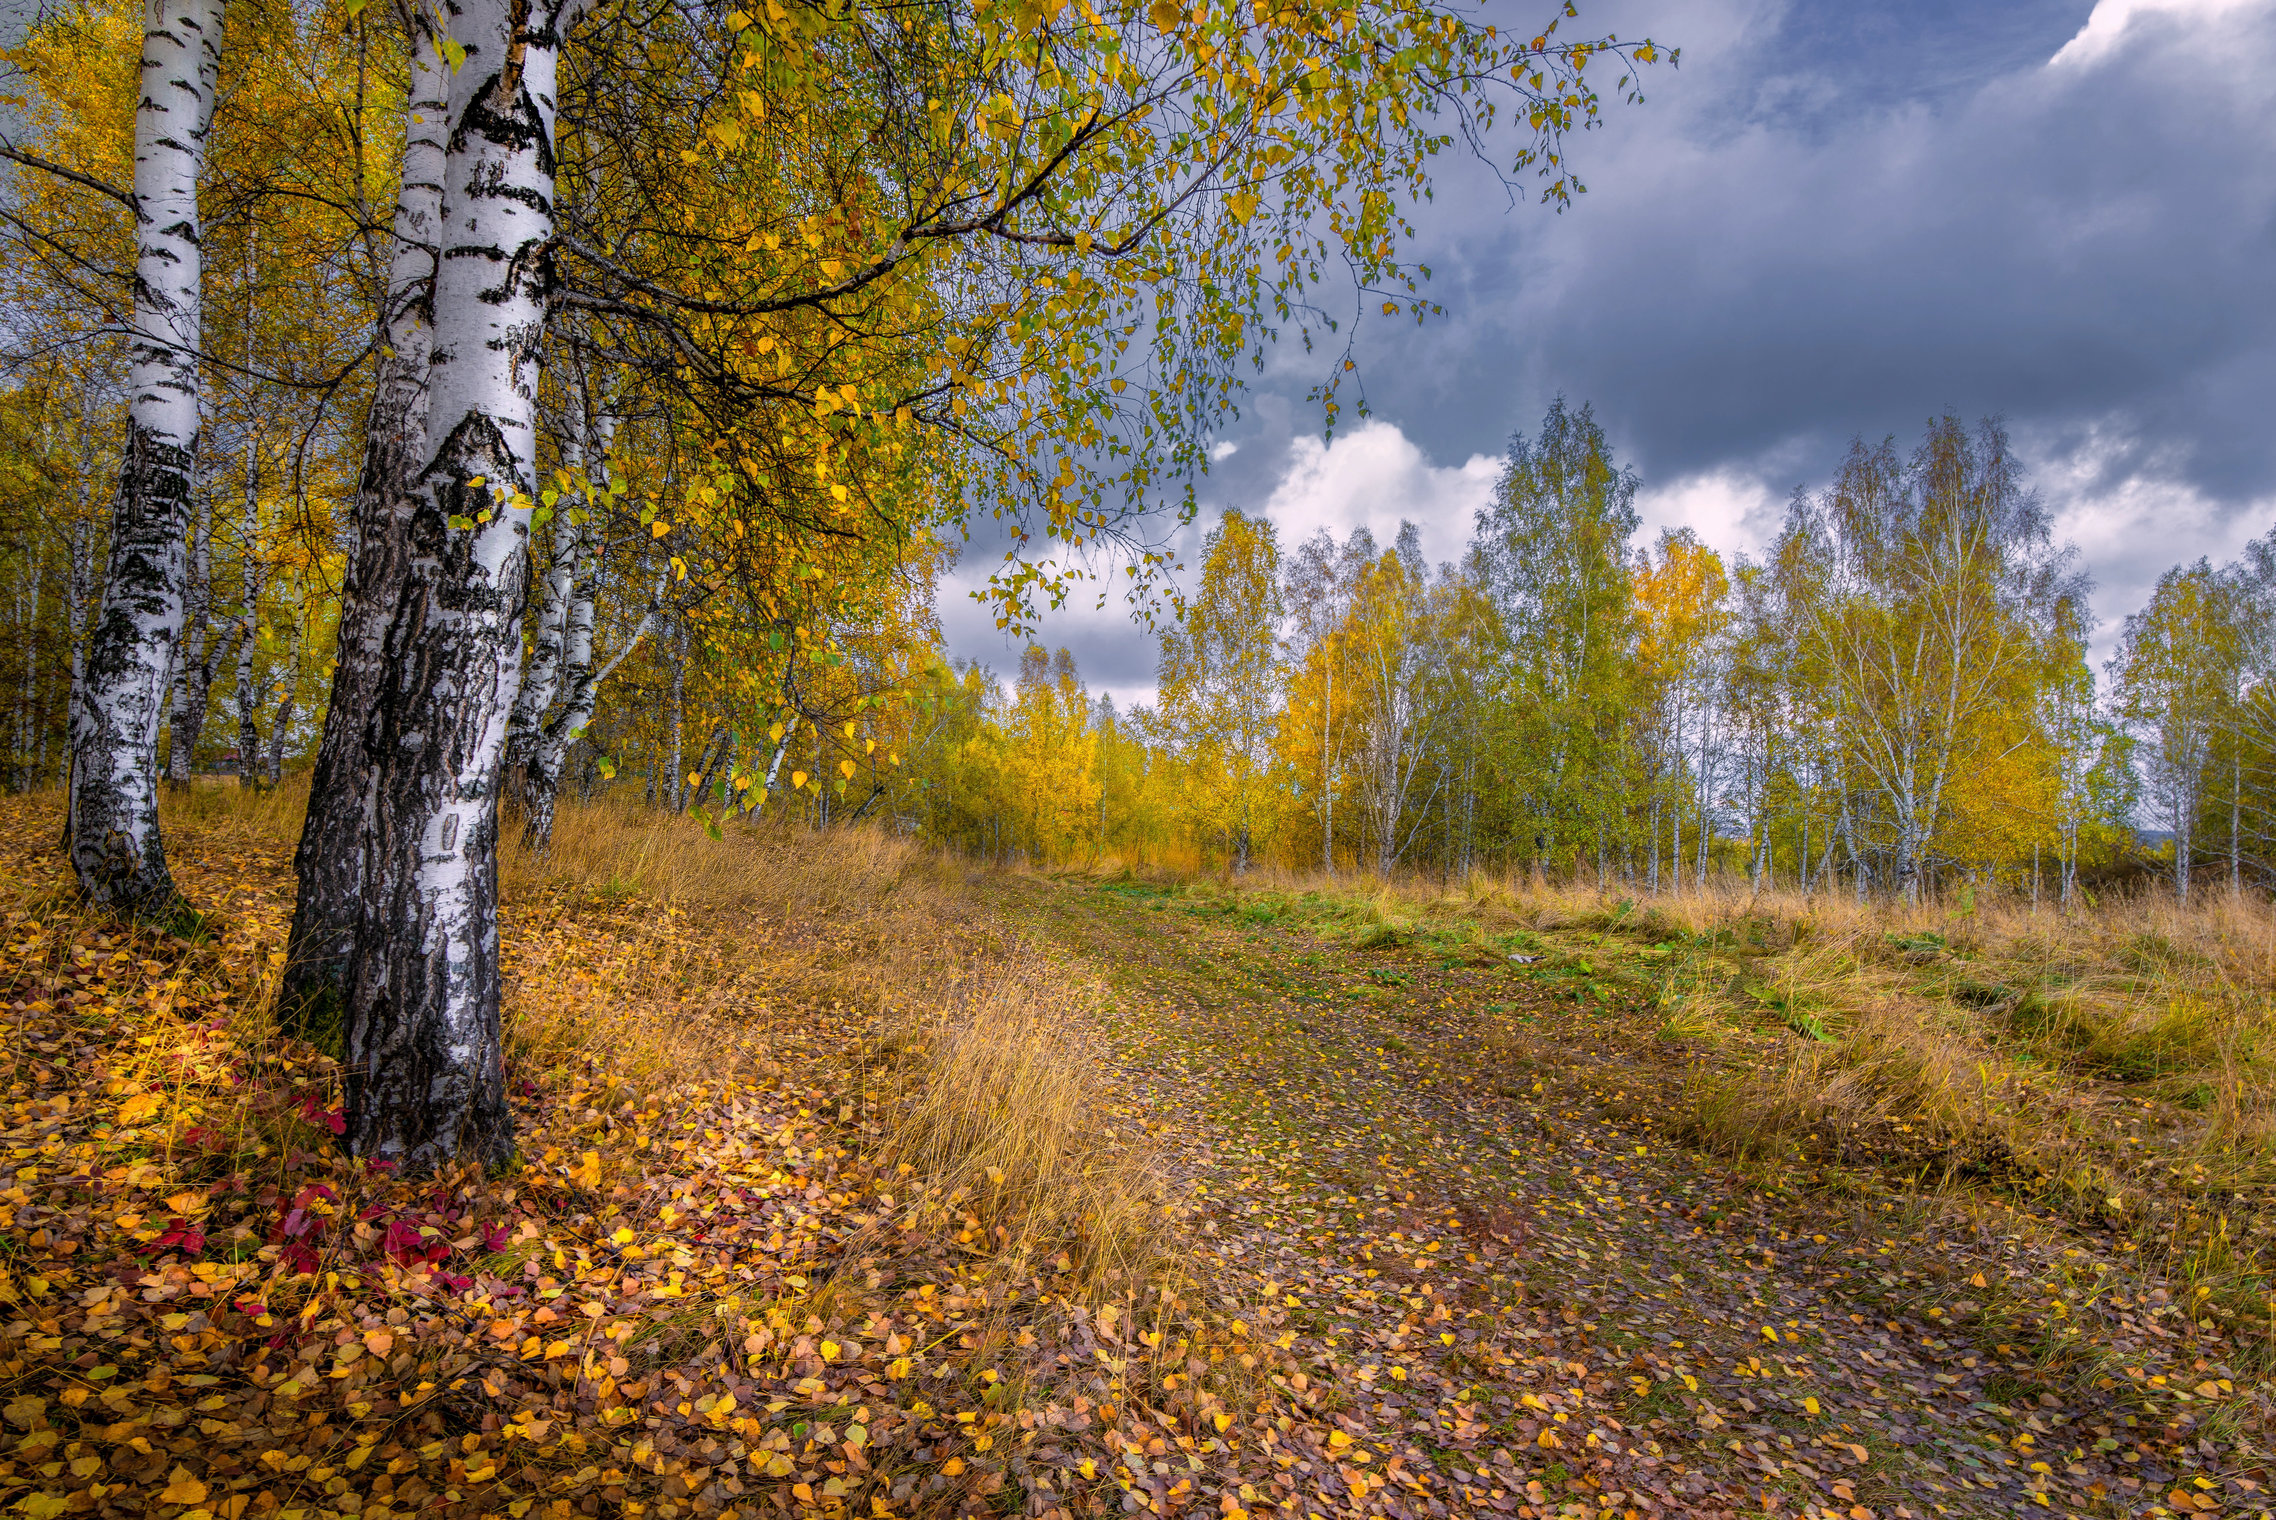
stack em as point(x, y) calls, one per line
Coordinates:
point(1835, 218)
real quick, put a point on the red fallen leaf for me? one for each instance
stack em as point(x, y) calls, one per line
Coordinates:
point(495, 1237)
point(180, 1235)
point(313, 1110)
point(407, 1244)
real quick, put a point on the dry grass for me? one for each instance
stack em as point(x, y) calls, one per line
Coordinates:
point(2115, 1063)
point(667, 957)
point(1002, 1132)
point(643, 949)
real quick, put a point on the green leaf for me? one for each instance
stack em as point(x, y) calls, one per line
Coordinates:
point(453, 53)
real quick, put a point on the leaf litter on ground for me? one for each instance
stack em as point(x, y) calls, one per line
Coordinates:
point(1350, 1233)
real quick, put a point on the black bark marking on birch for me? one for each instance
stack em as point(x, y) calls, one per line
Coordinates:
point(116, 849)
point(328, 865)
point(424, 1051)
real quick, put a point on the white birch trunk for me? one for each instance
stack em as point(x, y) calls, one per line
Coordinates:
point(561, 656)
point(116, 851)
point(1327, 761)
point(675, 793)
point(425, 1065)
point(35, 582)
point(542, 679)
point(280, 728)
point(781, 748)
point(76, 615)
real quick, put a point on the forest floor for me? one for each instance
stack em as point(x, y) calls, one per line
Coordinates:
point(1460, 1181)
point(855, 1183)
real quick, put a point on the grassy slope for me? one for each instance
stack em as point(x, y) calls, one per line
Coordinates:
point(1877, 1320)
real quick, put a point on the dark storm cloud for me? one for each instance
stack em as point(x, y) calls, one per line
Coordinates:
point(1783, 245)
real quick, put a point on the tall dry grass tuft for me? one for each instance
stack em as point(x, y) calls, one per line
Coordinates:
point(1000, 1131)
point(1899, 1084)
point(618, 850)
point(651, 952)
point(641, 944)
point(225, 812)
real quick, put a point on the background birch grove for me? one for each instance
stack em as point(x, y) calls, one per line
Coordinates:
point(1897, 697)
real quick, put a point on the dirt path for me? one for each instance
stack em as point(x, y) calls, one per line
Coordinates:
point(1451, 1189)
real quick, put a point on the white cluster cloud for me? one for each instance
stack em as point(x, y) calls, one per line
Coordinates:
point(1375, 477)
point(1732, 509)
point(2105, 29)
point(2131, 526)
point(1372, 477)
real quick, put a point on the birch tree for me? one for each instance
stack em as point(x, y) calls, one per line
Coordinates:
point(1322, 580)
point(328, 864)
point(1014, 238)
point(1394, 648)
point(121, 701)
point(424, 1063)
point(1220, 678)
point(2174, 671)
point(1929, 595)
point(1682, 602)
point(1552, 552)
point(562, 684)
point(193, 668)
